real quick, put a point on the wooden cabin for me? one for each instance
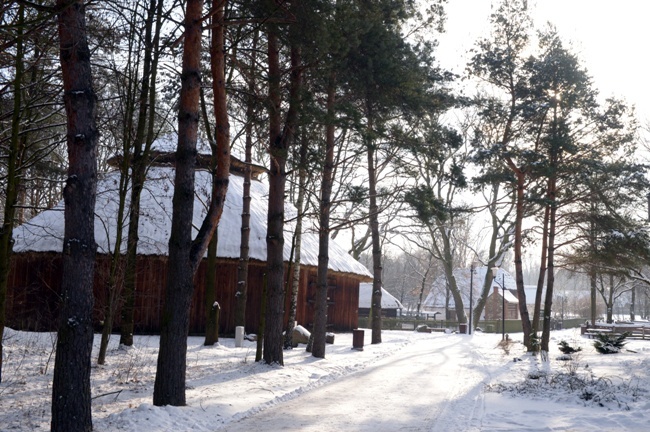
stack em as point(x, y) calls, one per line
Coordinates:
point(497, 300)
point(35, 279)
point(390, 306)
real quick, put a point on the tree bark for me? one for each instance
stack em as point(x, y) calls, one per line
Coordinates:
point(140, 162)
point(212, 307)
point(71, 405)
point(169, 386)
point(280, 142)
point(320, 315)
point(12, 180)
point(542, 271)
point(241, 296)
point(373, 216)
point(609, 301)
point(593, 309)
point(448, 266)
point(185, 254)
point(295, 268)
point(519, 271)
point(495, 254)
point(221, 149)
point(548, 301)
point(275, 224)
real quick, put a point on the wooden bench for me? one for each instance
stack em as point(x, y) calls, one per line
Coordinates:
point(640, 332)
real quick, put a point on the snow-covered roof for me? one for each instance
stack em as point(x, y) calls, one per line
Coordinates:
point(168, 144)
point(44, 233)
point(387, 299)
point(508, 295)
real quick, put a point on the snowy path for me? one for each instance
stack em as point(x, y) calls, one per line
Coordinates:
point(428, 385)
point(411, 382)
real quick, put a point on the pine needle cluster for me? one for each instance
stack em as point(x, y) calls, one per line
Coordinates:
point(610, 343)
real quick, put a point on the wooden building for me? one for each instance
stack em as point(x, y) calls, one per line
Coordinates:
point(35, 279)
point(390, 306)
point(497, 300)
point(440, 301)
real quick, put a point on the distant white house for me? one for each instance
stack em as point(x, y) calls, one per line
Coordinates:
point(440, 301)
point(390, 306)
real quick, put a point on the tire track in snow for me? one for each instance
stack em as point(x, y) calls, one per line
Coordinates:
point(463, 406)
point(416, 389)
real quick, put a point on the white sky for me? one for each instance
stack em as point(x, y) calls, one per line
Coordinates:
point(609, 36)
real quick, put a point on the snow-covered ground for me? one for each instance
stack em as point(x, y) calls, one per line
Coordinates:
point(412, 381)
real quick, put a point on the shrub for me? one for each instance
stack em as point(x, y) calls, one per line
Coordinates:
point(568, 349)
point(609, 343)
point(535, 342)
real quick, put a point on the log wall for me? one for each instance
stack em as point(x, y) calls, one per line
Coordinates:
point(35, 288)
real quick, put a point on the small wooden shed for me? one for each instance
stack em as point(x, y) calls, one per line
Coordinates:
point(35, 279)
point(390, 306)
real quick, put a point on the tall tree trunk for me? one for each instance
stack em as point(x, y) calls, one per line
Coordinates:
point(280, 142)
point(212, 307)
point(140, 163)
point(423, 286)
point(275, 225)
point(551, 196)
point(542, 270)
point(295, 268)
point(373, 216)
point(609, 301)
point(496, 254)
point(320, 314)
point(12, 180)
point(220, 163)
point(135, 98)
point(112, 286)
point(241, 296)
point(261, 330)
point(548, 302)
point(448, 267)
point(633, 304)
point(519, 270)
point(185, 254)
point(593, 289)
point(71, 407)
point(169, 387)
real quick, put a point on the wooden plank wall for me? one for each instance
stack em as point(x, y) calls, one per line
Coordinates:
point(33, 292)
point(35, 285)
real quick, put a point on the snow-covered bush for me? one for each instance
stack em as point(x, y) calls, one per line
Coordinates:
point(609, 343)
point(565, 348)
point(535, 342)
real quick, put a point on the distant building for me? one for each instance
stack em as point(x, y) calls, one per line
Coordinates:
point(440, 301)
point(495, 302)
point(390, 306)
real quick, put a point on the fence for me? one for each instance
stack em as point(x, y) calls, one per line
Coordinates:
point(492, 326)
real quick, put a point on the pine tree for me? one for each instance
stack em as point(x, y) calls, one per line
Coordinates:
point(186, 253)
point(71, 410)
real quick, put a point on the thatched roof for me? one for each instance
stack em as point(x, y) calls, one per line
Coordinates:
point(44, 233)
